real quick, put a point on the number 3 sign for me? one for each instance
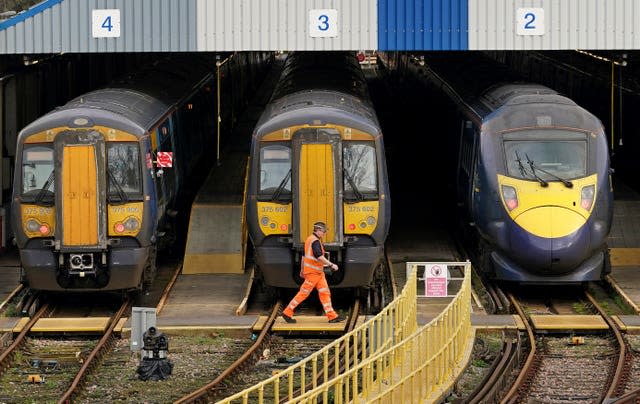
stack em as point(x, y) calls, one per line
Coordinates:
point(530, 21)
point(323, 23)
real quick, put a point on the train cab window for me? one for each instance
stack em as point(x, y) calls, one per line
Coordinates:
point(275, 172)
point(123, 165)
point(360, 174)
point(37, 172)
point(550, 154)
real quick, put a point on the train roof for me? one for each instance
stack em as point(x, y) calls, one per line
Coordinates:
point(320, 86)
point(482, 85)
point(337, 71)
point(135, 102)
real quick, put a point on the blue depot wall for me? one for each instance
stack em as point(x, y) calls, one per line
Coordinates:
point(423, 24)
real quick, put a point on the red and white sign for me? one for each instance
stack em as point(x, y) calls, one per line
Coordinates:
point(164, 159)
point(435, 280)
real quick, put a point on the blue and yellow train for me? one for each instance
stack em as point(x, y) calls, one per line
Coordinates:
point(533, 176)
point(91, 205)
point(317, 154)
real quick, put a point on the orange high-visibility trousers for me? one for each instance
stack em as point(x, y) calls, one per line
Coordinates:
point(315, 280)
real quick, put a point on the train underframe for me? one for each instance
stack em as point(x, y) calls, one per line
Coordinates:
point(280, 266)
point(86, 271)
point(499, 266)
point(361, 269)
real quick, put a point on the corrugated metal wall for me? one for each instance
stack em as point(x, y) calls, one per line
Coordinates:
point(422, 24)
point(228, 25)
point(237, 25)
point(66, 26)
point(566, 24)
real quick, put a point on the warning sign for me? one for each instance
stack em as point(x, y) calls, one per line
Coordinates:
point(435, 280)
point(165, 159)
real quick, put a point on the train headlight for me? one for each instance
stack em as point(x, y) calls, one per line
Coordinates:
point(586, 197)
point(33, 225)
point(131, 224)
point(264, 220)
point(371, 220)
point(510, 197)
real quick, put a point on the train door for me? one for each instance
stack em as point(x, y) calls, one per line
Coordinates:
point(316, 186)
point(80, 190)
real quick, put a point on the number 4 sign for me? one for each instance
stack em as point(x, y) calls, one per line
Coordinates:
point(106, 23)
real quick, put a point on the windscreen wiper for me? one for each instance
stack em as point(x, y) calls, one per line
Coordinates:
point(566, 183)
point(276, 194)
point(119, 190)
point(533, 170)
point(523, 171)
point(45, 188)
point(356, 191)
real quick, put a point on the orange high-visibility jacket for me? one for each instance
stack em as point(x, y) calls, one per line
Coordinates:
point(310, 262)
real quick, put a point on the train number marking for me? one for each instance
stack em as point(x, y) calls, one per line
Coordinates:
point(105, 23)
point(125, 209)
point(323, 23)
point(37, 211)
point(530, 21)
point(355, 209)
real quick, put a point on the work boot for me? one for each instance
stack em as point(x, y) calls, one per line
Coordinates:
point(288, 319)
point(338, 319)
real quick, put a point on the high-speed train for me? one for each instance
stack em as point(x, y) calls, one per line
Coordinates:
point(533, 175)
point(97, 180)
point(317, 154)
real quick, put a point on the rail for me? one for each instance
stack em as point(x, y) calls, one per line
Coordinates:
point(399, 363)
point(393, 324)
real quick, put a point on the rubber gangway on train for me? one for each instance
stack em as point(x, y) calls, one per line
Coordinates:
point(386, 359)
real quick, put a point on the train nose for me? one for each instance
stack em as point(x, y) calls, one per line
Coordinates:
point(550, 239)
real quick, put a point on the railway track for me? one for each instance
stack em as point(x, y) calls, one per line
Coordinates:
point(585, 368)
point(49, 366)
point(266, 355)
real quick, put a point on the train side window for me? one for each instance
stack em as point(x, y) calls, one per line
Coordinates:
point(275, 170)
point(123, 164)
point(37, 169)
point(360, 179)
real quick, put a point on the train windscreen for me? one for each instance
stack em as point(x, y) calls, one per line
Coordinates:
point(547, 154)
point(275, 171)
point(123, 165)
point(37, 170)
point(360, 175)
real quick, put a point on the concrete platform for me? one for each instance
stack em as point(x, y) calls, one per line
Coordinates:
point(628, 323)
point(12, 324)
point(563, 322)
point(206, 296)
point(624, 243)
point(314, 324)
point(217, 237)
point(497, 321)
point(76, 325)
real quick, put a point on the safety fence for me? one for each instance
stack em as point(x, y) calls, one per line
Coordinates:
point(386, 359)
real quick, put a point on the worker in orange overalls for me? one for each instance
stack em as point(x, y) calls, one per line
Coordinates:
point(312, 271)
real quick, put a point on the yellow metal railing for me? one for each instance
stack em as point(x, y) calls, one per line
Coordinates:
point(393, 324)
point(384, 360)
point(416, 369)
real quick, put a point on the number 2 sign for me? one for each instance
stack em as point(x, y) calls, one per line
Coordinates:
point(106, 23)
point(530, 21)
